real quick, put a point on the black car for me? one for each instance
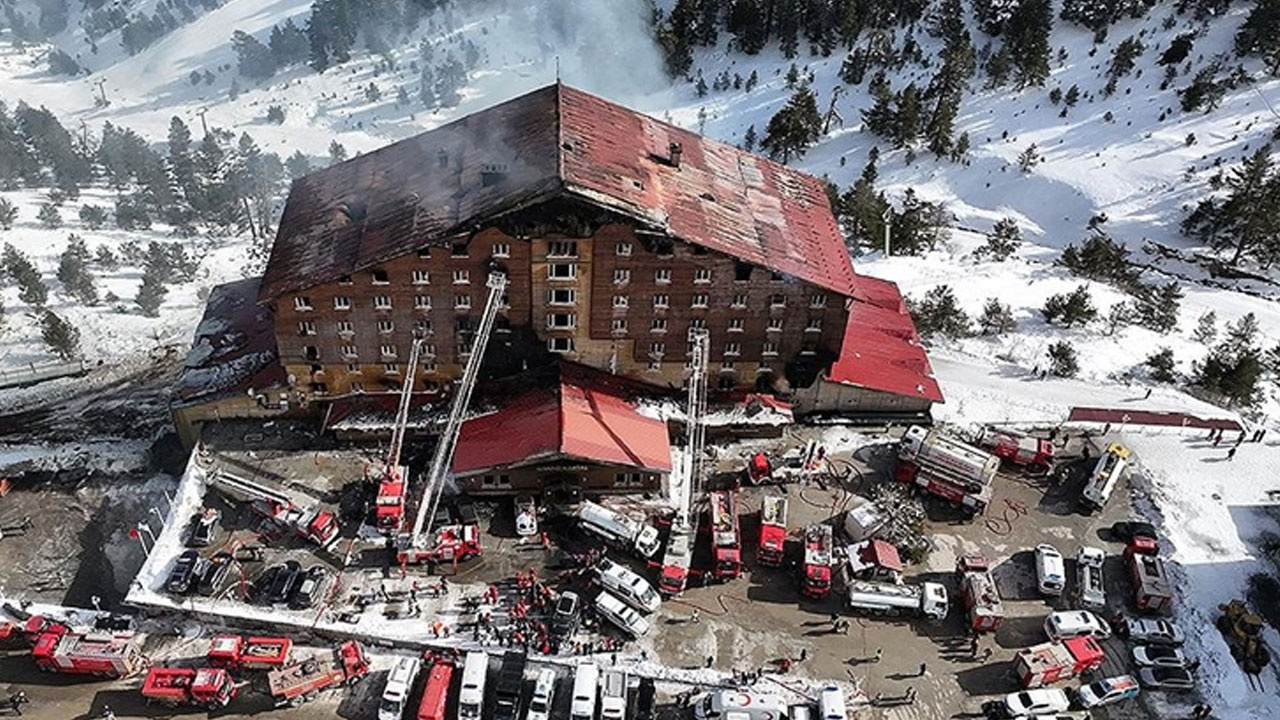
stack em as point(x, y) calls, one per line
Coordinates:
point(1130, 529)
point(566, 615)
point(263, 583)
point(316, 581)
point(215, 573)
point(183, 576)
point(285, 583)
point(115, 622)
point(204, 528)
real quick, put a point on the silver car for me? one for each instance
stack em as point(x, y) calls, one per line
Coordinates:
point(1157, 656)
point(1166, 678)
point(1152, 632)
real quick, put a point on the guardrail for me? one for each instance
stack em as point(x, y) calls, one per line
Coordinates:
point(39, 373)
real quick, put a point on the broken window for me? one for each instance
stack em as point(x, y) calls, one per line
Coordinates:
point(458, 250)
point(311, 352)
point(562, 271)
point(562, 296)
point(778, 300)
point(562, 321)
point(741, 271)
point(380, 277)
point(560, 344)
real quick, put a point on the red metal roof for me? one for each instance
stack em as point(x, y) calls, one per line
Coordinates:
point(880, 553)
point(881, 350)
point(578, 418)
point(555, 141)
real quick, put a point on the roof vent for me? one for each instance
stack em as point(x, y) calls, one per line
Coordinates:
point(352, 213)
point(492, 173)
point(675, 150)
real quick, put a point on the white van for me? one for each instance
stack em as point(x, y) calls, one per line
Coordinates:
point(628, 586)
point(583, 706)
point(1051, 572)
point(399, 685)
point(544, 694)
point(1076, 623)
point(739, 705)
point(613, 695)
point(475, 670)
point(1106, 475)
point(831, 704)
point(620, 614)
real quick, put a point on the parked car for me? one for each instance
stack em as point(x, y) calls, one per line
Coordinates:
point(285, 582)
point(1041, 701)
point(183, 577)
point(315, 584)
point(1158, 656)
point(1166, 678)
point(566, 615)
point(215, 573)
point(625, 617)
point(1152, 632)
point(1130, 529)
point(1075, 623)
point(1107, 691)
point(1051, 571)
point(204, 527)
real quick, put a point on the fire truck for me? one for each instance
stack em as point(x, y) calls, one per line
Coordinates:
point(293, 511)
point(17, 638)
point(1051, 662)
point(303, 680)
point(255, 653)
point(676, 559)
point(389, 504)
point(1033, 453)
point(1152, 591)
point(172, 686)
point(77, 653)
point(947, 467)
point(725, 547)
point(448, 544)
point(982, 600)
point(817, 560)
point(773, 531)
point(678, 556)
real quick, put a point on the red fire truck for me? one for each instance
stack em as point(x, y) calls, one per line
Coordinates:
point(1050, 662)
point(724, 535)
point(773, 531)
point(171, 686)
point(435, 692)
point(817, 560)
point(17, 638)
point(946, 467)
point(303, 680)
point(1023, 450)
point(1152, 590)
point(389, 505)
point(255, 653)
point(77, 653)
point(981, 596)
point(282, 506)
point(448, 544)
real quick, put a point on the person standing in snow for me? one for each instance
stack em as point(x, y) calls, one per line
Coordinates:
point(1231, 454)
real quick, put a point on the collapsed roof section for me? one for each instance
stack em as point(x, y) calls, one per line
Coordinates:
point(235, 347)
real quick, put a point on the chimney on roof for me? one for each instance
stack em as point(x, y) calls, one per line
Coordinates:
point(675, 150)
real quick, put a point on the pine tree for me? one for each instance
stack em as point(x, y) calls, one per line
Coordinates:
point(106, 259)
point(939, 314)
point(62, 338)
point(1247, 222)
point(288, 44)
point(880, 117)
point(1027, 41)
point(253, 59)
point(1121, 314)
point(1234, 366)
point(1178, 50)
point(1125, 56)
point(73, 272)
point(1062, 359)
point(1206, 328)
point(794, 128)
point(1029, 158)
point(1159, 307)
point(337, 153)
point(49, 216)
point(19, 268)
point(93, 216)
point(1161, 365)
point(919, 226)
point(749, 139)
point(1260, 34)
point(1002, 242)
point(996, 318)
point(8, 213)
point(152, 291)
point(746, 22)
point(1074, 308)
point(907, 116)
point(297, 165)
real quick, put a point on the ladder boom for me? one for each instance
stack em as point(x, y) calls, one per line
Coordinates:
point(402, 412)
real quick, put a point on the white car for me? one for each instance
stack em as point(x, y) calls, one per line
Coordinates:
point(1037, 702)
point(1107, 691)
point(1152, 632)
point(1158, 656)
point(619, 613)
point(1051, 572)
point(1075, 623)
point(544, 690)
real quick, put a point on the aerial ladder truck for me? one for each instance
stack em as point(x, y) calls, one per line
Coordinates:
point(679, 552)
point(305, 517)
point(456, 542)
point(393, 479)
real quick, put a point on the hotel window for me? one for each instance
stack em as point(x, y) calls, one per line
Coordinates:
point(654, 366)
point(342, 302)
point(562, 271)
point(301, 302)
point(727, 366)
point(391, 369)
point(621, 302)
point(306, 327)
point(741, 271)
point(421, 277)
point(382, 302)
point(357, 387)
point(386, 327)
point(461, 277)
point(458, 250)
point(428, 368)
point(349, 351)
point(697, 323)
point(311, 352)
point(388, 351)
point(699, 300)
point(775, 325)
point(662, 275)
point(462, 302)
point(702, 275)
point(815, 325)
point(345, 327)
point(733, 348)
point(659, 325)
point(619, 325)
point(661, 301)
point(769, 349)
point(817, 301)
point(353, 369)
point(622, 249)
point(428, 349)
point(422, 302)
point(778, 300)
point(380, 277)
point(562, 296)
point(501, 250)
point(560, 344)
point(422, 328)
point(621, 277)
point(562, 248)
point(736, 324)
point(657, 348)
point(424, 252)
point(561, 321)
point(739, 300)
point(345, 280)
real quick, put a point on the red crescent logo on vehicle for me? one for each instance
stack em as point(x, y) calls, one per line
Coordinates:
point(744, 700)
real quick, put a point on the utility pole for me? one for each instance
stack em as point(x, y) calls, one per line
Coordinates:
point(888, 224)
point(102, 92)
point(204, 125)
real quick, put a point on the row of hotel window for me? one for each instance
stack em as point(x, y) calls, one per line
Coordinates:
point(561, 345)
point(565, 321)
point(622, 479)
point(350, 353)
point(561, 296)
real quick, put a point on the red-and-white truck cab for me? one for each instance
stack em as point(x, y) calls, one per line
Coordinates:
point(726, 543)
point(77, 653)
point(173, 686)
point(773, 531)
point(1051, 662)
point(818, 545)
point(448, 544)
point(1023, 450)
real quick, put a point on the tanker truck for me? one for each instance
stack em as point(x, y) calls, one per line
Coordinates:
point(947, 467)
